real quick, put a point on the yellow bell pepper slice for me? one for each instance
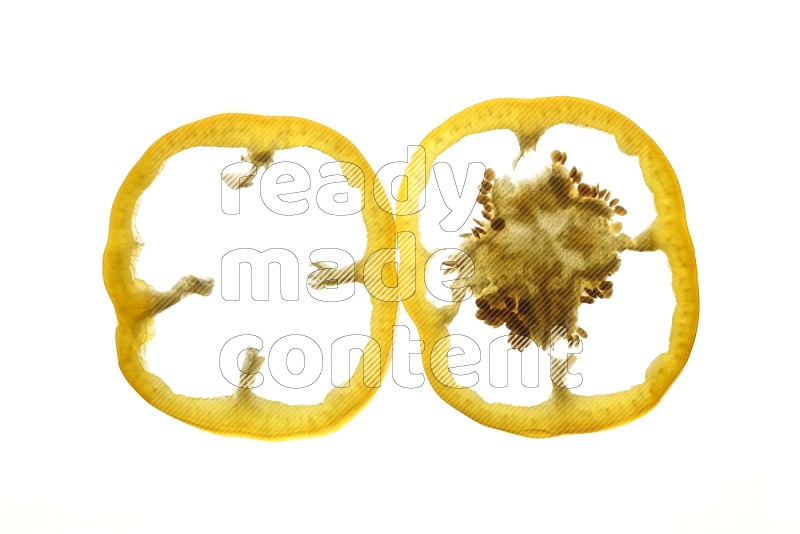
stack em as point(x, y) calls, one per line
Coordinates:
point(559, 295)
point(242, 413)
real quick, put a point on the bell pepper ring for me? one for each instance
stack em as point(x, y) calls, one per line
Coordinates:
point(545, 247)
point(243, 413)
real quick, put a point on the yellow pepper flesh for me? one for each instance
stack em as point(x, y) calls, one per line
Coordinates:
point(563, 412)
point(136, 303)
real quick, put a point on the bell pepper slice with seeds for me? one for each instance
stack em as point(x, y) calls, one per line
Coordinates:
point(543, 248)
point(243, 413)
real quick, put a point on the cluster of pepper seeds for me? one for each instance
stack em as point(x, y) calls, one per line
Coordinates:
point(533, 310)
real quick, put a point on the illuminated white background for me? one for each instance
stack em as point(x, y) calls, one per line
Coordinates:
point(87, 87)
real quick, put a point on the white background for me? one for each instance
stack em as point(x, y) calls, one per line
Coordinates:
point(87, 87)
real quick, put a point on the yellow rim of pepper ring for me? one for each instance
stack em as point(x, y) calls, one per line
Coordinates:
point(242, 413)
point(550, 291)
